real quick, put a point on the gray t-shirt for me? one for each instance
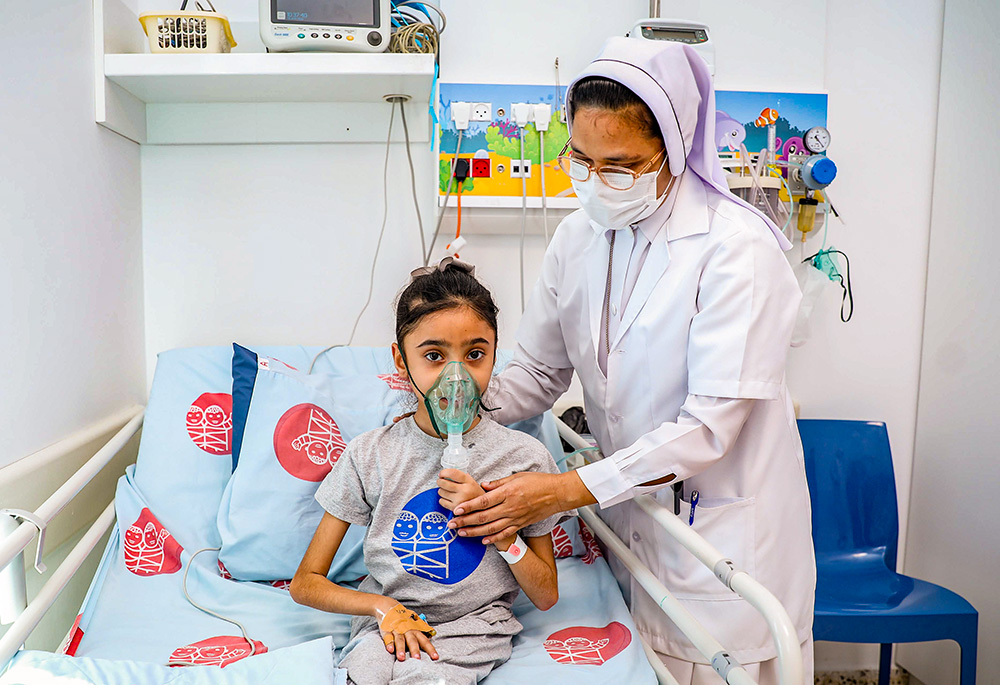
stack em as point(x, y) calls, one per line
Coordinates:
point(386, 479)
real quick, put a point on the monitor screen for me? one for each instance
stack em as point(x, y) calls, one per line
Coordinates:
point(326, 12)
point(672, 34)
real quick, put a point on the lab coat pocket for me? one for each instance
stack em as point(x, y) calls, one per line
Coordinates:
point(728, 525)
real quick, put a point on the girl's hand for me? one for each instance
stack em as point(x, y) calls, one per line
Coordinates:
point(412, 641)
point(456, 487)
point(517, 501)
point(402, 630)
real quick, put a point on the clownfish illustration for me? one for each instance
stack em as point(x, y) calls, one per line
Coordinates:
point(768, 115)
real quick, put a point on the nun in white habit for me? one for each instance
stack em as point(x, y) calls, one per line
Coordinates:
point(673, 302)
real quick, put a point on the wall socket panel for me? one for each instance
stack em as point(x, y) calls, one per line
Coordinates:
point(481, 111)
point(520, 168)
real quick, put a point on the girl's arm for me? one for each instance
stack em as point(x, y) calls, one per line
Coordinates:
point(311, 587)
point(536, 571)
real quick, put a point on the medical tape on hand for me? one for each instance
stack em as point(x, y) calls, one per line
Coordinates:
point(400, 620)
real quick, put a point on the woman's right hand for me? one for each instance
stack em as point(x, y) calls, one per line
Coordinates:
point(517, 501)
point(403, 630)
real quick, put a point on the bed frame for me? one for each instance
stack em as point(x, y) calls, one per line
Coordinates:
point(20, 527)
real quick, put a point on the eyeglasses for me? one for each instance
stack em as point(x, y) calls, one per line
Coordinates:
point(614, 177)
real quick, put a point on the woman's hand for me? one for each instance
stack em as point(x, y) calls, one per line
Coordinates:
point(402, 630)
point(456, 487)
point(516, 501)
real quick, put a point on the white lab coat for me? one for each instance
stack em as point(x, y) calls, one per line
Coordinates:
point(710, 317)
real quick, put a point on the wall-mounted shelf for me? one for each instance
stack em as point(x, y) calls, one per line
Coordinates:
point(249, 97)
point(262, 77)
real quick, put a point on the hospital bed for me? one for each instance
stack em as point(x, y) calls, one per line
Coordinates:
point(163, 554)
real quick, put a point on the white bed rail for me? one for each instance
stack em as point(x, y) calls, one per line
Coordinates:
point(35, 611)
point(13, 544)
point(780, 625)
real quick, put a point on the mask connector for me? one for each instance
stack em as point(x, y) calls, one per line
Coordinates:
point(455, 455)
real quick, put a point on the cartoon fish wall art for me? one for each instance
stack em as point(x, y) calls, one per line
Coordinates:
point(768, 116)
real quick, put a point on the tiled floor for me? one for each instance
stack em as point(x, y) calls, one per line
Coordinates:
point(869, 677)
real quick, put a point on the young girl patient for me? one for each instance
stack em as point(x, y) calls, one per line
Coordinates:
point(429, 590)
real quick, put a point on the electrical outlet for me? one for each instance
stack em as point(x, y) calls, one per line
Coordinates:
point(481, 164)
point(520, 168)
point(481, 111)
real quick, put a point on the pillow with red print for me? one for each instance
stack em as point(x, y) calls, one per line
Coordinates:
point(289, 430)
point(185, 454)
point(572, 538)
point(186, 451)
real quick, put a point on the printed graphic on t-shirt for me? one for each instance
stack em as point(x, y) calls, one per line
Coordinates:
point(427, 548)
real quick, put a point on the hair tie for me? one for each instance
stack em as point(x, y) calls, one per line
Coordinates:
point(442, 266)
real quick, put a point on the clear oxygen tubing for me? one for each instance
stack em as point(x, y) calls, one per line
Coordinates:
point(378, 244)
point(545, 204)
point(762, 164)
point(754, 177)
point(444, 208)
point(791, 202)
point(413, 182)
point(566, 457)
point(524, 210)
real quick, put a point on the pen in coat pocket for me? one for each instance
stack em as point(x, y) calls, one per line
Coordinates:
point(695, 495)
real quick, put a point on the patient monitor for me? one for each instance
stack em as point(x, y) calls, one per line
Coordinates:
point(325, 25)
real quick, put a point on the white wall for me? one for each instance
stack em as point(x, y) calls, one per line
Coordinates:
point(953, 536)
point(881, 71)
point(299, 272)
point(71, 320)
point(298, 276)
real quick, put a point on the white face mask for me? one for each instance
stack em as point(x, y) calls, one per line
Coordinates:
point(616, 209)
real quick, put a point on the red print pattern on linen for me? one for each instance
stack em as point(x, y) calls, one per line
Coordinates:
point(149, 548)
point(210, 422)
point(215, 651)
point(587, 645)
point(307, 442)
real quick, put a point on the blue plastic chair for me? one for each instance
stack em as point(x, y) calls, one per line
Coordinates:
point(855, 523)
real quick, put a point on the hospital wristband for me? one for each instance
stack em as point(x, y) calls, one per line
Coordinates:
point(515, 552)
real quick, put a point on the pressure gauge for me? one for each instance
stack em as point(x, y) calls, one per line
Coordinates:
point(816, 139)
